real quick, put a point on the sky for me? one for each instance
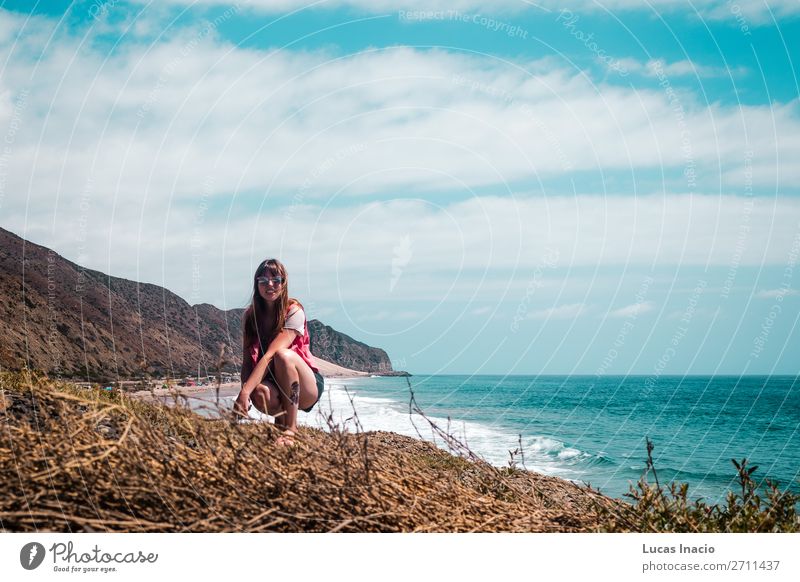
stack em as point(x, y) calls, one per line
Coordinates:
point(507, 187)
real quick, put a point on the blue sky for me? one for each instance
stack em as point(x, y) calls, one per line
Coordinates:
point(506, 187)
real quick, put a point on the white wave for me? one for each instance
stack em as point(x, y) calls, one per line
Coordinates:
point(539, 453)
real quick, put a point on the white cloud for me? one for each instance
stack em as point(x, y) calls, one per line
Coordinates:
point(463, 249)
point(157, 121)
point(569, 311)
point(136, 163)
point(632, 310)
point(659, 67)
point(714, 9)
point(775, 293)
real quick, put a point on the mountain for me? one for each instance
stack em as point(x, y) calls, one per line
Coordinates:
point(343, 350)
point(74, 322)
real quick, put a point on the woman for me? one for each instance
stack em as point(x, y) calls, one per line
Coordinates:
point(278, 373)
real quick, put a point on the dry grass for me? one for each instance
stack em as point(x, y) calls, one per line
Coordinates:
point(82, 460)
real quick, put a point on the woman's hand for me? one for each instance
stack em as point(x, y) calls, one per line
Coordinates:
point(241, 405)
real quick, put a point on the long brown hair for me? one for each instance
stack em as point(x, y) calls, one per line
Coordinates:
point(258, 326)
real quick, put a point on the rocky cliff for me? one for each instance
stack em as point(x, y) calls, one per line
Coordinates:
point(341, 349)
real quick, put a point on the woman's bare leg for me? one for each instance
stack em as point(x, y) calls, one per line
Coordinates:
point(297, 387)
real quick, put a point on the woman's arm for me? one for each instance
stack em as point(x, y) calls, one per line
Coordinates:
point(283, 340)
point(247, 364)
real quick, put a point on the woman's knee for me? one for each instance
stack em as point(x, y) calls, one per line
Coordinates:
point(260, 398)
point(285, 358)
point(265, 399)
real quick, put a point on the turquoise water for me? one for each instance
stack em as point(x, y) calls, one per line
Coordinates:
point(593, 429)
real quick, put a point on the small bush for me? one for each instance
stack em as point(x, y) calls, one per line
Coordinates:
point(656, 509)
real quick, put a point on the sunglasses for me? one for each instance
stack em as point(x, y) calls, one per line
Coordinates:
point(266, 281)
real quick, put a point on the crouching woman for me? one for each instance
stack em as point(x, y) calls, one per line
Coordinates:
point(278, 372)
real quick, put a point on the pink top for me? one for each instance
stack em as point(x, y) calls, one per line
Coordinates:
point(301, 345)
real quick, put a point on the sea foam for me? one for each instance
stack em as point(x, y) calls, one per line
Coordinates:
point(348, 409)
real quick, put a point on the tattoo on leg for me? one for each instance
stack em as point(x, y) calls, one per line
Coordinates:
point(294, 396)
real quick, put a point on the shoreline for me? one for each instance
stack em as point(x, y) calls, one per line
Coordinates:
point(369, 407)
point(327, 369)
point(227, 389)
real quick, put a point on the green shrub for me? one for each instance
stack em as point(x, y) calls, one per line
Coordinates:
point(656, 509)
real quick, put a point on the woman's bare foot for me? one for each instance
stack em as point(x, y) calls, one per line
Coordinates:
point(286, 439)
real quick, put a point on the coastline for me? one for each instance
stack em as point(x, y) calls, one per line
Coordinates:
point(228, 389)
point(356, 402)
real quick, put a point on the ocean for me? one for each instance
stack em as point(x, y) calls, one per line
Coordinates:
point(592, 429)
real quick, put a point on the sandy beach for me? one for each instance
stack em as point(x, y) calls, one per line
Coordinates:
point(331, 370)
point(327, 369)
